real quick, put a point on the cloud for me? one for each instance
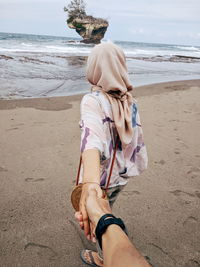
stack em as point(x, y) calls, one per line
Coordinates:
point(21, 9)
point(137, 31)
point(171, 21)
point(174, 10)
point(26, 1)
point(193, 35)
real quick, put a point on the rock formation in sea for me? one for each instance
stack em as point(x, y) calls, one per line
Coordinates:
point(91, 29)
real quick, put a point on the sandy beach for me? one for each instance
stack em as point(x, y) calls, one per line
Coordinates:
point(39, 144)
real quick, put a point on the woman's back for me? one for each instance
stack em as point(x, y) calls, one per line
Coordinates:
point(99, 131)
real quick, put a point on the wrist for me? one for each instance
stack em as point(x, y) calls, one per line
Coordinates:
point(104, 222)
point(91, 183)
point(97, 217)
point(91, 180)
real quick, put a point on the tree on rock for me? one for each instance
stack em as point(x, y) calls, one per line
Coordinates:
point(76, 9)
point(91, 29)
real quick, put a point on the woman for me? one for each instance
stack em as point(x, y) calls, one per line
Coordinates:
point(108, 116)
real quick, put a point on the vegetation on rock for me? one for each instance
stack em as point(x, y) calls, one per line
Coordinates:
point(76, 9)
point(91, 29)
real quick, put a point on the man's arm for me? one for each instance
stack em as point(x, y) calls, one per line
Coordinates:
point(118, 251)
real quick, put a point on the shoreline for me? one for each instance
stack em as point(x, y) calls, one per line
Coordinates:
point(50, 74)
point(6, 55)
point(63, 102)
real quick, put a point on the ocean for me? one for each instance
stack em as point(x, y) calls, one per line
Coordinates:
point(45, 66)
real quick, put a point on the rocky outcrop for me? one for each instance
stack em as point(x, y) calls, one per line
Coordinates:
point(91, 29)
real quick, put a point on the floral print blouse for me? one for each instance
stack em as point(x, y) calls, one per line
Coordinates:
point(98, 131)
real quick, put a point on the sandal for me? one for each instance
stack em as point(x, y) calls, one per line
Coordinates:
point(91, 261)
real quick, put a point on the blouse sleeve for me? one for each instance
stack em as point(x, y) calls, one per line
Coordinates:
point(91, 124)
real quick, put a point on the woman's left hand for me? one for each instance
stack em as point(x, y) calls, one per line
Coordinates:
point(82, 215)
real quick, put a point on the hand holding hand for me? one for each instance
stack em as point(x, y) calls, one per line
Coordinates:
point(82, 215)
point(96, 207)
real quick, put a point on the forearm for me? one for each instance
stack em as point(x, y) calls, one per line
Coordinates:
point(91, 165)
point(119, 251)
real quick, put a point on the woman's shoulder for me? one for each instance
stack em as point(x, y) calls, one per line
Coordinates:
point(95, 97)
point(89, 98)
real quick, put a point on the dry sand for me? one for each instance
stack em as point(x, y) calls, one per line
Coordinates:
point(39, 144)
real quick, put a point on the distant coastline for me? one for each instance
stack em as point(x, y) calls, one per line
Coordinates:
point(79, 39)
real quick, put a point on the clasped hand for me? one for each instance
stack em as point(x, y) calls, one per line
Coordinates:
point(92, 207)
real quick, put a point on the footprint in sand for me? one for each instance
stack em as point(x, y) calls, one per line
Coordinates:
point(186, 196)
point(39, 122)
point(174, 120)
point(3, 226)
point(192, 263)
point(2, 169)
point(130, 193)
point(180, 193)
point(158, 125)
point(41, 250)
point(33, 180)
point(181, 143)
point(187, 111)
point(19, 124)
point(197, 193)
point(162, 162)
point(157, 251)
point(194, 172)
point(11, 129)
point(177, 151)
point(191, 224)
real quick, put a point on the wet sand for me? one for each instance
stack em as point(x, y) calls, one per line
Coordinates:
point(39, 147)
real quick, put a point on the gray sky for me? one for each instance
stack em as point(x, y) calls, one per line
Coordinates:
point(170, 21)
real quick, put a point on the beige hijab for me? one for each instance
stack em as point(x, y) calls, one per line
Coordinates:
point(107, 72)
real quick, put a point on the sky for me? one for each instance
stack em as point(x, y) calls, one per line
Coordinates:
point(152, 21)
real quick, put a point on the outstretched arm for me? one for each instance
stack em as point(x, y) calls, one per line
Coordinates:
point(91, 166)
point(91, 181)
point(117, 248)
point(92, 139)
point(119, 251)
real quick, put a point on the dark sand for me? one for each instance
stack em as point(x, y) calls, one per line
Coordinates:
point(39, 147)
